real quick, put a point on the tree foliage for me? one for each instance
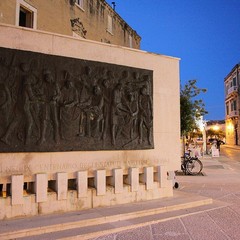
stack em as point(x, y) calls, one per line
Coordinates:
point(191, 108)
point(215, 133)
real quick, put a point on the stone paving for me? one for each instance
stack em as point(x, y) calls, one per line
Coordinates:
point(222, 183)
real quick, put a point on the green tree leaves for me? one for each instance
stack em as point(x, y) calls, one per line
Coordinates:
point(191, 109)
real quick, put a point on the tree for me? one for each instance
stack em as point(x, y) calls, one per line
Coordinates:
point(215, 133)
point(191, 109)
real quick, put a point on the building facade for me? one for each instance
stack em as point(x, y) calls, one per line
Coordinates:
point(232, 106)
point(90, 19)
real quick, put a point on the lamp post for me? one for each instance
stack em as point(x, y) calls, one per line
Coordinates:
point(204, 134)
point(204, 138)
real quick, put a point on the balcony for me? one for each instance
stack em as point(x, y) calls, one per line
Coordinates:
point(233, 89)
point(233, 114)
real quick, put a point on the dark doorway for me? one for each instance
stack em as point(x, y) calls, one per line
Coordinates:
point(236, 134)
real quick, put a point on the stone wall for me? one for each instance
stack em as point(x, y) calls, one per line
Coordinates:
point(64, 181)
point(62, 17)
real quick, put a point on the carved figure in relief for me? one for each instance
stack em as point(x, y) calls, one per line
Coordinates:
point(21, 114)
point(7, 77)
point(40, 107)
point(84, 90)
point(107, 96)
point(95, 119)
point(124, 78)
point(69, 112)
point(118, 112)
point(5, 102)
point(145, 114)
point(136, 77)
point(131, 120)
point(49, 109)
point(30, 100)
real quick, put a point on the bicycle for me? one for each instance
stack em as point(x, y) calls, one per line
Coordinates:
point(191, 165)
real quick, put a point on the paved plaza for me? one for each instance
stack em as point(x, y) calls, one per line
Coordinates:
point(221, 182)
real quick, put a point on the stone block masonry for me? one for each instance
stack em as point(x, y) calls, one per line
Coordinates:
point(51, 196)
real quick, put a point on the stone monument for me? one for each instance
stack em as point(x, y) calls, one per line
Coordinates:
point(51, 103)
point(83, 124)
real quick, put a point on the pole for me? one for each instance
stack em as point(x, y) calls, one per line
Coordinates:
point(204, 140)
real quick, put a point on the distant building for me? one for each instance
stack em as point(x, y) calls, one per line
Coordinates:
point(232, 105)
point(91, 19)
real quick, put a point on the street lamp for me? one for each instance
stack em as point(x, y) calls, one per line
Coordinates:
point(204, 134)
point(204, 138)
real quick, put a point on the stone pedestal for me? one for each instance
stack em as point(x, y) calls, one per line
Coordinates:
point(17, 189)
point(82, 184)
point(118, 180)
point(161, 176)
point(100, 182)
point(147, 177)
point(62, 186)
point(41, 186)
point(133, 179)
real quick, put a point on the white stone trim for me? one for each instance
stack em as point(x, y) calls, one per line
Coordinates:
point(20, 3)
point(81, 5)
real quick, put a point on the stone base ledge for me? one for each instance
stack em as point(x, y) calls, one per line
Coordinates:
point(31, 208)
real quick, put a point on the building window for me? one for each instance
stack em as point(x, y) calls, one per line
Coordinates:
point(25, 18)
point(234, 81)
point(226, 89)
point(234, 105)
point(80, 3)
point(130, 41)
point(227, 109)
point(110, 24)
point(26, 15)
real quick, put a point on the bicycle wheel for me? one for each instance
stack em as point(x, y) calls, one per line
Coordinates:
point(194, 166)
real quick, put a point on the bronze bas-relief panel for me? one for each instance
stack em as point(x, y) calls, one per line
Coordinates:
point(51, 103)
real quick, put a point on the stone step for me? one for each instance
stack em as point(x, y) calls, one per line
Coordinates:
point(96, 222)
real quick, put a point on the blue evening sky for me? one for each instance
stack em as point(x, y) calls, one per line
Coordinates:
point(205, 34)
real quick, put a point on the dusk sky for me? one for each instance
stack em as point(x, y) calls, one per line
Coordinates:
point(205, 34)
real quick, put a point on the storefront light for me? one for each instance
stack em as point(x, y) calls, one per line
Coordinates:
point(230, 127)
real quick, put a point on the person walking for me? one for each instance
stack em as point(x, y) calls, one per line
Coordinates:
point(218, 144)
